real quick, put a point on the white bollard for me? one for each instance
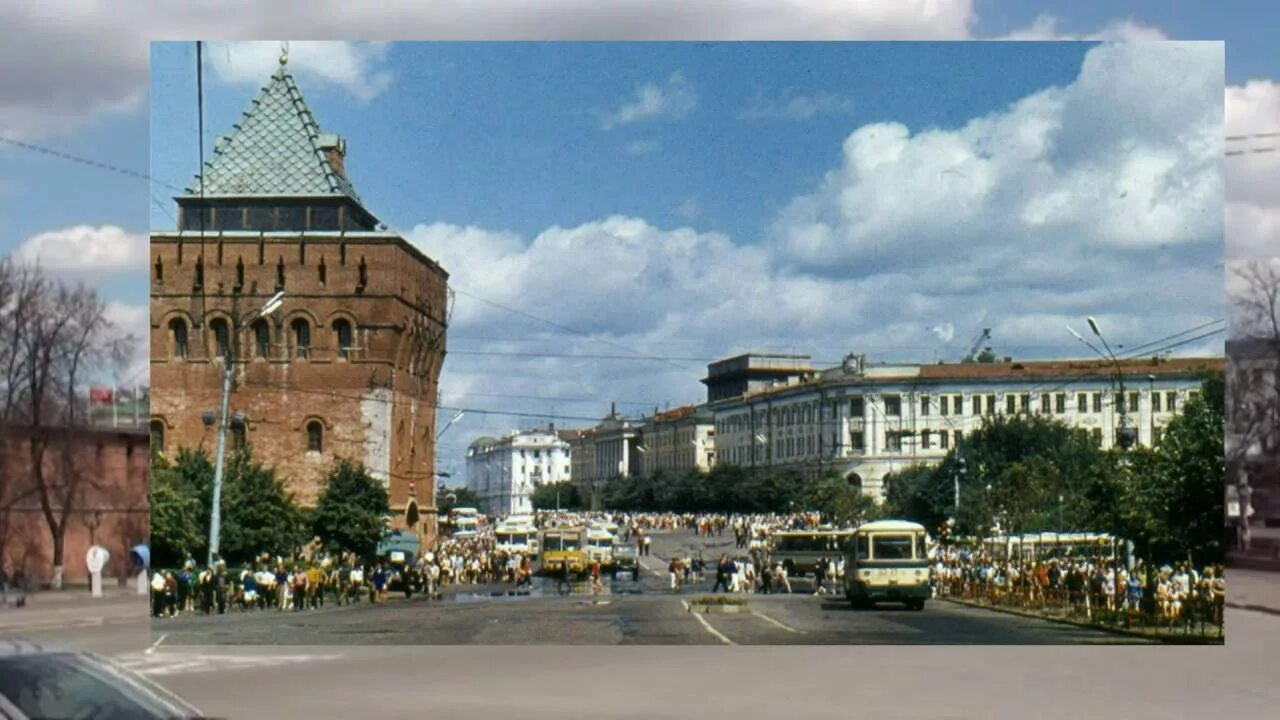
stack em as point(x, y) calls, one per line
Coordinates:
point(95, 582)
point(143, 585)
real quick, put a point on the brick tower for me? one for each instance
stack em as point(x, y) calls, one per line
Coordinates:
point(349, 366)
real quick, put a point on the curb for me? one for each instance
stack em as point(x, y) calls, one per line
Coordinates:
point(1186, 640)
point(1251, 607)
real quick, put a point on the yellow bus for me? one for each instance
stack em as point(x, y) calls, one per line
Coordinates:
point(563, 547)
point(888, 560)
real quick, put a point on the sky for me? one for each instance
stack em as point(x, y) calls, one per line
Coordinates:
point(687, 202)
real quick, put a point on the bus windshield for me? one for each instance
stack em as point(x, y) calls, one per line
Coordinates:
point(560, 543)
point(600, 542)
point(807, 543)
point(893, 547)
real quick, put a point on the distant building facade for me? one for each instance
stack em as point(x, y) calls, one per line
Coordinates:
point(504, 473)
point(679, 439)
point(866, 421)
point(1253, 438)
point(742, 374)
point(349, 366)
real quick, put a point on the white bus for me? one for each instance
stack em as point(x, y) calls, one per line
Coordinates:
point(800, 550)
point(600, 546)
point(516, 538)
point(888, 560)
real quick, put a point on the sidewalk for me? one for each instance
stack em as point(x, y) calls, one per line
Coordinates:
point(1257, 590)
point(70, 608)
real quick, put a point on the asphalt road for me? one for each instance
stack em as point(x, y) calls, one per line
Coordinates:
point(646, 612)
point(748, 680)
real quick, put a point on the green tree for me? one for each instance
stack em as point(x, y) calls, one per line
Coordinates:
point(546, 495)
point(841, 502)
point(258, 514)
point(349, 515)
point(1190, 466)
point(449, 498)
point(176, 516)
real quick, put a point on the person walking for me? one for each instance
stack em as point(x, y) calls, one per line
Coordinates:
point(819, 574)
point(780, 572)
point(724, 569)
point(597, 586)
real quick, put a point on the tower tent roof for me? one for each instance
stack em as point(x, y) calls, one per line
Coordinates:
point(277, 149)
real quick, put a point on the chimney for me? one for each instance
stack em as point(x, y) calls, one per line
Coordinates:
point(335, 151)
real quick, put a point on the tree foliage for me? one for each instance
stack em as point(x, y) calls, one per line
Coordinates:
point(448, 498)
point(549, 496)
point(349, 515)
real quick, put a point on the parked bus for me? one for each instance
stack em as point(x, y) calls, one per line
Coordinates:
point(563, 547)
point(888, 560)
point(800, 551)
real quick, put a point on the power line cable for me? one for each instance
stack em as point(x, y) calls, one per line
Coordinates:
point(85, 161)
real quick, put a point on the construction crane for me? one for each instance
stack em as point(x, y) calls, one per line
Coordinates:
point(971, 356)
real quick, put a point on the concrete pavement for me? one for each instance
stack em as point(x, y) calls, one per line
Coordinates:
point(1256, 590)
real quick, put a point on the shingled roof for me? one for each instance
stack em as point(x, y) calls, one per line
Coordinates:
point(275, 150)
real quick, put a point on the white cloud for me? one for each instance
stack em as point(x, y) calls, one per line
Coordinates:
point(80, 248)
point(356, 67)
point(1125, 159)
point(673, 98)
point(793, 106)
point(134, 322)
point(1253, 179)
point(642, 147)
point(1045, 27)
point(689, 209)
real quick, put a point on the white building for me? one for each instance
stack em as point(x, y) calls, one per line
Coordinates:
point(868, 421)
point(503, 473)
point(679, 439)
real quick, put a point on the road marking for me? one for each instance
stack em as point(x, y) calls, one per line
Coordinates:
point(155, 645)
point(707, 625)
point(54, 624)
point(784, 626)
point(177, 663)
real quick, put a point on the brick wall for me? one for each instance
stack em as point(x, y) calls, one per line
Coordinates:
point(375, 402)
point(110, 509)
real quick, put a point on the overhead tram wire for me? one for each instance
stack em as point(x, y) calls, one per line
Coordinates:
point(566, 328)
point(1252, 136)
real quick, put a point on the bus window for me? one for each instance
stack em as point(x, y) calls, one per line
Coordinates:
point(892, 547)
point(861, 542)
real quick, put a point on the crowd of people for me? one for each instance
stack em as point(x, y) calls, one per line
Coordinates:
point(1083, 585)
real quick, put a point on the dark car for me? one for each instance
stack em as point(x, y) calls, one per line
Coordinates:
point(626, 559)
point(52, 684)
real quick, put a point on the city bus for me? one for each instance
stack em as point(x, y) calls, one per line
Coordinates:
point(515, 538)
point(1045, 546)
point(800, 550)
point(888, 560)
point(560, 548)
point(600, 547)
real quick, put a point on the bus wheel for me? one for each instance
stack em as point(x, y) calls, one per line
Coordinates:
point(916, 605)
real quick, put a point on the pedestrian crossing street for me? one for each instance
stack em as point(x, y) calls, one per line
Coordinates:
point(168, 662)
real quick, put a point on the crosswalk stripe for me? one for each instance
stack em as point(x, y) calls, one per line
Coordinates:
point(163, 664)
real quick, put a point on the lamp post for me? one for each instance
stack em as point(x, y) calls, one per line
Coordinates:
point(215, 515)
point(1122, 437)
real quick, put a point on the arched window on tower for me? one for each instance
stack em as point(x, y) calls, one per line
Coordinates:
point(221, 338)
point(315, 436)
point(301, 337)
point(342, 334)
point(178, 336)
point(157, 435)
point(261, 338)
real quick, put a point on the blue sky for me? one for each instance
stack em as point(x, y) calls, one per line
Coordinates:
point(754, 178)
point(509, 136)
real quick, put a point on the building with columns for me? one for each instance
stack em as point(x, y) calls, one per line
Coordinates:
point(866, 421)
point(503, 473)
point(349, 365)
point(679, 439)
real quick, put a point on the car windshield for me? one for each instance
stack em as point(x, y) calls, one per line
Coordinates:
point(64, 685)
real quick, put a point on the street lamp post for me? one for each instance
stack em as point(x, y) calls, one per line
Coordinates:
point(1122, 437)
point(215, 515)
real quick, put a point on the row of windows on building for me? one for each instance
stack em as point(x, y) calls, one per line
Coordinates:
point(313, 434)
point(298, 341)
point(954, 404)
point(811, 445)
